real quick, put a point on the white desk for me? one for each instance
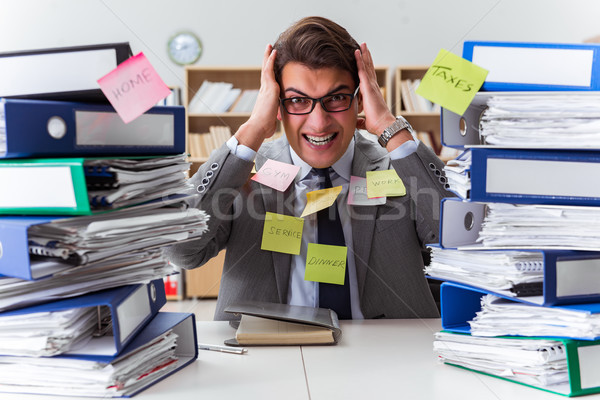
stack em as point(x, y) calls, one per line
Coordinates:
point(374, 359)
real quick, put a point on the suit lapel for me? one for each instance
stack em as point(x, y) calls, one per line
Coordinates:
point(277, 202)
point(366, 158)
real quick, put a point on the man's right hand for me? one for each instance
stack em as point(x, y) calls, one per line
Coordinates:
point(262, 123)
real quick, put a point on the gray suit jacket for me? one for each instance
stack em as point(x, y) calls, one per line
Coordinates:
point(388, 239)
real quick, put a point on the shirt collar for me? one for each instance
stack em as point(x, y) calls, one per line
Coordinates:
point(343, 166)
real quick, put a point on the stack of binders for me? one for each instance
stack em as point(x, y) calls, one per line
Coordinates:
point(519, 250)
point(87, 203)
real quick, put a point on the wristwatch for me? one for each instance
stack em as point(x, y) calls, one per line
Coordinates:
point(394, 128)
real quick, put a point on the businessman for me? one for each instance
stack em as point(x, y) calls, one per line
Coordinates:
point(321, 84)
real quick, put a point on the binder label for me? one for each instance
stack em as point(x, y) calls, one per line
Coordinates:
point(589, 357)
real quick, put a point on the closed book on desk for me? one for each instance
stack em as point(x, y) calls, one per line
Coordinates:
point(83, 186)
point(536, 66)
point(561, 366)
point(97, 323)
point(542, 277)
point(164, 346)
point(60, 73)
point(44, 128)
point(478, 312)
point(283, 324)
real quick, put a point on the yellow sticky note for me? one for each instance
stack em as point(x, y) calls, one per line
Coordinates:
point(320, 199)
point(452, 82)
point(325, 263)
point(384, 183)
point(282, 233)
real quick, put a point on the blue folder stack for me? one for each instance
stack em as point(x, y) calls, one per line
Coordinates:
point(86, 206)
point(519, 250)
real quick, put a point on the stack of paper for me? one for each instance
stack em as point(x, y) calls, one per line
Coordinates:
point(535, 362)
point(500, 271)
point(544, 121)
point(502, 317)
point(538, 226)
point(457, 172)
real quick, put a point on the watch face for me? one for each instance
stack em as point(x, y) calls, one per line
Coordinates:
point(184, 48)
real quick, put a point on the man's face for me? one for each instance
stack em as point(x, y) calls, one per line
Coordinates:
point(319, 138)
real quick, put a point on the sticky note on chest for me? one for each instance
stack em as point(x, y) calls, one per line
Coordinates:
point(282, 233)
point(320, 199)
point(276, 174)
point(384, 183)
point(326, 263)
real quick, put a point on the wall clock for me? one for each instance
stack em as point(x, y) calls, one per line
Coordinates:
point(184, 48)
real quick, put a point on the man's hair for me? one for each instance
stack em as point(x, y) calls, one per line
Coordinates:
point(316, 42)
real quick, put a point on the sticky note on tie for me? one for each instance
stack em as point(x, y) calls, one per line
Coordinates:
point(384, 183)
point(452, 82)
point(133, 87)
point(320, 199)
point(326, 263)
point(282, 233)
point(357, 193)
point(276, 174)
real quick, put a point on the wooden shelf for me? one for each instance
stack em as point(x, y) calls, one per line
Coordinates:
point(420, 121)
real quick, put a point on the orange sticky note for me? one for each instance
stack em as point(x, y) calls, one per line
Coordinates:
point(133, 87)
point(320, 199)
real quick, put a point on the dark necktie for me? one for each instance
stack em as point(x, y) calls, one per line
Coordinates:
point(329, 225)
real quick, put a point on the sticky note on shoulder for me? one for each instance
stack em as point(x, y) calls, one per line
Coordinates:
point(282, 233)
point(384, 183)
point(133, 87)
point(451, 82)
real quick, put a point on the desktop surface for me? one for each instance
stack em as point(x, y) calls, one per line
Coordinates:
point(373, 359)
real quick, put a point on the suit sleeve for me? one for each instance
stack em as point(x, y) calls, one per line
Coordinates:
point(218, 181)
point(422, 173)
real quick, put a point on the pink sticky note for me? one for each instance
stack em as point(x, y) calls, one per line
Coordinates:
point(133, 87)
point(276, 174)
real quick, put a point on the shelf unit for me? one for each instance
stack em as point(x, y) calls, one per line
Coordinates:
point(243, 78)
point(420, 121)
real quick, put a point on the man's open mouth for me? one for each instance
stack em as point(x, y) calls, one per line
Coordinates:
point(320, 140)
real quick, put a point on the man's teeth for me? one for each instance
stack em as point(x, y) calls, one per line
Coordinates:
point(320, 140)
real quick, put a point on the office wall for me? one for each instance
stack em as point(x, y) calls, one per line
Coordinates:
point(235, 32)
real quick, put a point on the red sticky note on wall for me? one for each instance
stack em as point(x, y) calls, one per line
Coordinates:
point(133, 87)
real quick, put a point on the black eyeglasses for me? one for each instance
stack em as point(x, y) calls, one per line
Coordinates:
point(331, 103)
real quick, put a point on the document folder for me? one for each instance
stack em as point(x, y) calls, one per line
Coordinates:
point(60, 73)
point(164, 346)
point(461, 303)
point(119, 314)
point(44, 128)
point(463, 131)
point(78, 186)
point(536, 66)
point(569, 276)
point(535, 176)
point(27, 241)
point(495, 356)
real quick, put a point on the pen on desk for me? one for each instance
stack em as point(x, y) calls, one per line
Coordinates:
point(223, 349)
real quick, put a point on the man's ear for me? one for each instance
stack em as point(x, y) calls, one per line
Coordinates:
point(279, 113)
point(359, 102)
